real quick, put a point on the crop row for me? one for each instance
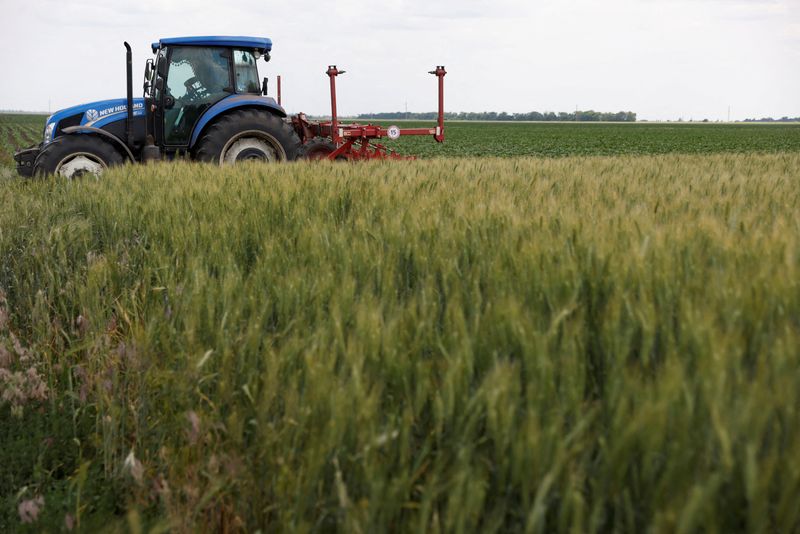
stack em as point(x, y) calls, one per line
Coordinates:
point(18, 131)
point(566, 139)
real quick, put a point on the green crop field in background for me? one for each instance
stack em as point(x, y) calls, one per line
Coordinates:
point(18, 131)
point(477, 139)
point(456, 345)
point(604, 139)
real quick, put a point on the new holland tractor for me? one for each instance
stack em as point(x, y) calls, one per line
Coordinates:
point(203, 99)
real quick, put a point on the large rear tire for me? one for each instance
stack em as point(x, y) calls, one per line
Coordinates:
point(76, 155)
point(247, 135)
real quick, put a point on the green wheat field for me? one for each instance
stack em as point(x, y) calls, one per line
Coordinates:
point(583, 343)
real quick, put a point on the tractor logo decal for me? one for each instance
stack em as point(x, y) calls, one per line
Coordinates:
point(93, 115)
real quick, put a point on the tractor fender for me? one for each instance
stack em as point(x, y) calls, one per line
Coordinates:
point(116, 141)
point(234, 102)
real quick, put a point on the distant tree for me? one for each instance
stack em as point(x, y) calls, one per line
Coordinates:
point(770, 119)
point(563, 116)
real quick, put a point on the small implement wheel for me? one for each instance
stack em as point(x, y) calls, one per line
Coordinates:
point(318, 149)
point(73, 156)
point(248, 135)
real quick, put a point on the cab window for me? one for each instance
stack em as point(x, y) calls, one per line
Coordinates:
point(198, 78)
point(246, 72)
point(197, 73)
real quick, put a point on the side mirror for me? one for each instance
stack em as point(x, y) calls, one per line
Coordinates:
point(162, 67)
point(264, 86)
point(148, 72)
point(266, 56)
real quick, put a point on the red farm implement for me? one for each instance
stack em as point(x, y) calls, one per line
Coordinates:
point(334, 140)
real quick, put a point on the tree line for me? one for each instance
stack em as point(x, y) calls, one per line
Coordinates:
point(770, 119)
point(577, 116)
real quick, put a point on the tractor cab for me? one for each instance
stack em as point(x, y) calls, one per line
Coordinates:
point(190, 75)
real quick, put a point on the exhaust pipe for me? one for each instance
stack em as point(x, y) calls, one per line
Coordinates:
point(129, 75)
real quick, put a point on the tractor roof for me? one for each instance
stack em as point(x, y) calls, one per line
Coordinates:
point(261, 43)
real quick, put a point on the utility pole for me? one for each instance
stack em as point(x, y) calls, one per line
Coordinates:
point(729, 114)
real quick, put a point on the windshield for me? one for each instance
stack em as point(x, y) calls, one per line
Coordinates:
point(246, 72)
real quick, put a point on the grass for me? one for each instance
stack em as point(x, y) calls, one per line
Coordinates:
point(573, 344)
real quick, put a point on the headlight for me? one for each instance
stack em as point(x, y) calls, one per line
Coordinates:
point(48, 132)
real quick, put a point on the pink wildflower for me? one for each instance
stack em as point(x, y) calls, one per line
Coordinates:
point(29, 509)
point(194, 430)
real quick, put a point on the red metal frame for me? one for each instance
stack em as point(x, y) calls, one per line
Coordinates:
point(354, 141)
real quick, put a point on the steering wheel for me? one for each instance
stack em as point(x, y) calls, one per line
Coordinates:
point(192, 92)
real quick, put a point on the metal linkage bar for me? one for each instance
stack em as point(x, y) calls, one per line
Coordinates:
point(332, 73)
point(439, 73)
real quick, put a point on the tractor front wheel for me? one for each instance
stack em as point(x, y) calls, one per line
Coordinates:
point(248, 135)
point(76, 155)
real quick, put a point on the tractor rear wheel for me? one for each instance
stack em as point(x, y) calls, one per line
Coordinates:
point(247, 135)
point(76, 155)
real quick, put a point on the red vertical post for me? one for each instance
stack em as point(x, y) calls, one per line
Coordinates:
point(279, 90)
point(332, 73)
point(439, 73)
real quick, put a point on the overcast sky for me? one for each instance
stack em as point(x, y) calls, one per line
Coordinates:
point(664, 59)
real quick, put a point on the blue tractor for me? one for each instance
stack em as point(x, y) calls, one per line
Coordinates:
point(202, 98)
